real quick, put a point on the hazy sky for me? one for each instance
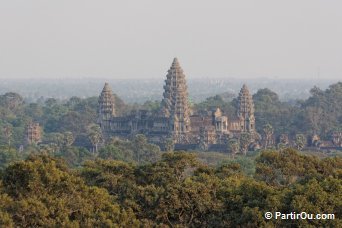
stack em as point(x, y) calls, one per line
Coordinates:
point(116, 39)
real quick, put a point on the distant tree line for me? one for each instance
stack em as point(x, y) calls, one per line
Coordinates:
point(320, 114)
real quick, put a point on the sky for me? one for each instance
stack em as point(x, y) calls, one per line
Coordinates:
point(139, 39)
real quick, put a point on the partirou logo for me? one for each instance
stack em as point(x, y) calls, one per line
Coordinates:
point(296, 216)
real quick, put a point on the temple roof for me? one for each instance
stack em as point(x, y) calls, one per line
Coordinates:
point(175, 62)
point(106, 88)
point(107, 100)
point(244, 89)
point(175, 103)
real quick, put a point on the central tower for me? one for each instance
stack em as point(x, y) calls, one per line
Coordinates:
point(106, 107)
point(246, 110)
point(175, 104)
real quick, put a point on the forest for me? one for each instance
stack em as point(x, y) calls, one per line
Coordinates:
point(175, 191)
point(71, 180)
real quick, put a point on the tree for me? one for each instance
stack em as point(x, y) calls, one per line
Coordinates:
point(5, 215)
point(268, 134)
point(72, 121)
point(35, 111)
point(284, 139)
point(221, 101)
point(323, 109)
point(314, 196)
point(245, 141)
point(12, 101)
point(116, 152)
point(51, 102)
point(95, 136)
point(48, 194)
point(169, 145)
point(8, 133)
point(74, 156)
point(233, 146)
point(68, 138)
point(300, 141)
point(315, 117)
point(144, 152)
point(117, 177)
point(7, 155)
point(56, 140)
point(73, 101)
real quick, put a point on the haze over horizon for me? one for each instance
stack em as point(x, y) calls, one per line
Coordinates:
point(139, 39)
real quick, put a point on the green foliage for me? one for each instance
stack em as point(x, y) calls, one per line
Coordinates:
point(115, 176)
point(319, 114)
point(300, 141)
point(214, 102)
point(143, 151)
point(74, 156)
point(95, 136)
point(245, 141)
point(12, 101)
point(317, 197)
point(176, 191)
point(283, 117)
point(287, 167)
point(152, 106)
point(233, 146)
point(211, 158)
point(7, 155)
point(169, 145)
point(246, 164)
point(325, 108)
point(116, 152)
point(45, 193)
point(132, 183)
point(138, 150)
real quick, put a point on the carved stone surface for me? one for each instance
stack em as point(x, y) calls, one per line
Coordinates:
point(175, 105)
point(246, 110)
point(337, 138)
point(106, 107)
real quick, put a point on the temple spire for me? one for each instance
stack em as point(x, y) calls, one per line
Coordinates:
point(246, 110)
point(175, 104)
point(175, 63)
point(106, 106)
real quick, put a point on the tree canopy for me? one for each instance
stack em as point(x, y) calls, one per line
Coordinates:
point(177, 190)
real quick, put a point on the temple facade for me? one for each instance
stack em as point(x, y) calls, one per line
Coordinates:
point(176, 120)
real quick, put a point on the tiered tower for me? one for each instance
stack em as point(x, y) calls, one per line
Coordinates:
point(106, 107)
point(33, 133)
point(175, 105)
point(246, 110)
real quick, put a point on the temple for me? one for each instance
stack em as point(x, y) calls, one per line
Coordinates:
point(33, 133)
point(246, 110)
point(175, 107)
point(176, 120)
point(106, 109)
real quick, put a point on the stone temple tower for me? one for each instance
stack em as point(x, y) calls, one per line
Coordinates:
point(246, 110)
point(175, 105)
point(106, 107)
point(33, 133)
